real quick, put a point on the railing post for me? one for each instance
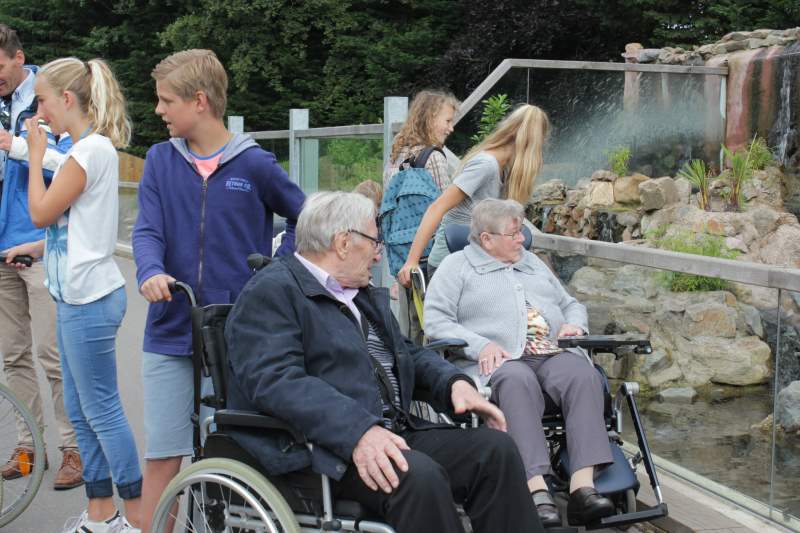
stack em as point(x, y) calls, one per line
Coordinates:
point(236, 124)
point(298, 120)
point(395, 109)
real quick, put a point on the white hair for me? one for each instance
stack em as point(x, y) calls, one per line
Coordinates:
point(492, 215)
point(327, 213)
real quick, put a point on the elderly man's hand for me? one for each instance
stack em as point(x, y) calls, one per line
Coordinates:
point(5, 140)
point(570, 330)
point(491, 357)
point(373, 456)
point(466, 399)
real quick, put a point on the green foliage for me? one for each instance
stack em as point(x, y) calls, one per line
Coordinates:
point(738, 174)
point(697, 174)
point(689, 242)
point(618, 159)
point(495, 109)
point(350, 161)
point(760, 154)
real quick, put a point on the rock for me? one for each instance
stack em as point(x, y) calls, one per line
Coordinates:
point(738, 361)
point(782, 247)
point(634, 280)
point(600, 194)
point(764, 219)
point(766, 188)
point(765, 426)
point(648, 55)
point(684, 190)
point(588, 281)
point(677, 395)
point(658, 378)
point(629, 219)
point(730, 46)
point(657, 193)
point(573, 197)
point(710, 319)
point(550, 191)
point(615, 368)
point(603, 175)
point(626, 188)
point(788, 410)
point(751, 319)
point(706, 50)
point(735, 243)
point(735, 36)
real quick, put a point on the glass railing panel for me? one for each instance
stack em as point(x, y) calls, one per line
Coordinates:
point(339, 164)
point(128, 208)
point(279, 147)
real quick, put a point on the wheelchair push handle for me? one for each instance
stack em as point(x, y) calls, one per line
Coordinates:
point(179, 286)
point(26, 260)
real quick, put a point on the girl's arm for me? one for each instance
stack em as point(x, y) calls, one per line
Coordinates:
point(46, 205)
point(451, 197)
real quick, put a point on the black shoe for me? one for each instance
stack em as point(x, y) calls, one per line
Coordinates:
point(546, 507)
point(587, 506)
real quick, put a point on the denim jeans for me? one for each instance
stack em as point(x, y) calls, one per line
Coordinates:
point(86, 339)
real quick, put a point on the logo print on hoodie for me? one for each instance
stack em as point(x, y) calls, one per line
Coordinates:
point(239, 185)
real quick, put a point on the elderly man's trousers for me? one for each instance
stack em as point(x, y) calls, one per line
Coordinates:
point(477, 468)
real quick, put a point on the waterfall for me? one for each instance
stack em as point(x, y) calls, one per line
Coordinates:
point(783, 122)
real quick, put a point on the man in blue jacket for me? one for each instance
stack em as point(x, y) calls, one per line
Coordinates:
point(25, 304)
point(206, 201)
point(310, 342)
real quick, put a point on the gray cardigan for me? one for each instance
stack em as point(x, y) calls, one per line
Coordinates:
point(475, 297)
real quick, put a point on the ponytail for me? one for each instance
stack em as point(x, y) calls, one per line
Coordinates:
point(98, 93)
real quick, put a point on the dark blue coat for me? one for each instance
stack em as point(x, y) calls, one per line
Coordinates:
point(298, 354)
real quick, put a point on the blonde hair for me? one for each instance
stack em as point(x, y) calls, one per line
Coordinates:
point(372, 190)
point(194, 70)
point(526, 128)
point(98, 93)
point(418, 127)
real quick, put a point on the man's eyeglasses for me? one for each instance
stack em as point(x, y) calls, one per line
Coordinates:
point(376, 243)
point(512, 235)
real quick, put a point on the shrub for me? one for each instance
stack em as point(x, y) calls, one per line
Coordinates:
point(760, 154)
point(618, 159)
point(689, 242)
point(697, 174)
point(740, 172)
point(495, 109)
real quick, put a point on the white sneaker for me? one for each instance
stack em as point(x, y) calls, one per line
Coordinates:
point(123, 526)
point(82, 524)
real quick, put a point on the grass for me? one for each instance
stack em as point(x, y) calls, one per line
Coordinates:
point(688, 242)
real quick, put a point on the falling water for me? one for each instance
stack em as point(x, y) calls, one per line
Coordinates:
point(783, 122)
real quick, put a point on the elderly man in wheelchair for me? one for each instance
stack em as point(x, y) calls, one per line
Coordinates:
point(310, 343)
point(514, 315)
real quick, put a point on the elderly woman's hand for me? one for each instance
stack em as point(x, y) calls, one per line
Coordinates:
point(491, 357)
point(570, 330)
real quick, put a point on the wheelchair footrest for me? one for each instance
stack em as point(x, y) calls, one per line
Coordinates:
point(645, 515)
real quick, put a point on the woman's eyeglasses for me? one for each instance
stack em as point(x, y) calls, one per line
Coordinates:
point(512, 235)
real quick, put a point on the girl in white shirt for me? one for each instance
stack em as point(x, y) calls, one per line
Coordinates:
point(80, 210)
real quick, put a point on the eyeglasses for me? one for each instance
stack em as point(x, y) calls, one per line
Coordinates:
point(512, 235)
point(376, 243)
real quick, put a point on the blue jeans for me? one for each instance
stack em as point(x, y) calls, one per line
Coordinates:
point(86, 339)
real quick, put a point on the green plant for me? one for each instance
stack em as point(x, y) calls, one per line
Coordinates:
point(740, 172)
point(494, 110)
point(689, 242)
point(348, 162)
point(618, 159)
point(697, 174)
point(760, 154)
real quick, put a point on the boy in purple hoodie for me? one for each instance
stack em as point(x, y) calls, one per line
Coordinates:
point(206, 201)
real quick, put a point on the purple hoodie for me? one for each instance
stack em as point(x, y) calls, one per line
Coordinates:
point(201, 231)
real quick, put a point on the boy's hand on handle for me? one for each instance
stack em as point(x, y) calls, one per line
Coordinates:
point(156, 288)
point(33, 250)
point(404, 275)
point(5, 140)
point(37, 139)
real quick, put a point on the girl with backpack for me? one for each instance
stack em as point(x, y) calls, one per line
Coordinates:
point(80, 211)
point(504, 165)
point(427, 126)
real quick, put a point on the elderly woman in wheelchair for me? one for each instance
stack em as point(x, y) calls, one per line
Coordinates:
point(511, 310)
point(310, 343)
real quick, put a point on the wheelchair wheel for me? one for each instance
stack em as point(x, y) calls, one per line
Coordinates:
point(225, 496)
point(17, 494)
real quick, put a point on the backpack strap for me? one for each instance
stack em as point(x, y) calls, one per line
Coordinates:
point(422, 159)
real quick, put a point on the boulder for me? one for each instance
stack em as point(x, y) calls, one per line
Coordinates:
point(737, 361)
point(626, 188)
point(635, 281)
point(629, 219)
point(589, 281)
point(549, 191)
point(603, 175)
point(710, 319)
point(600, 194)
point(782, 247)
point(684, 188)
point(657, 193)
point(765, 219)
point(677, 395)
point(788, 411)
point(766, 187)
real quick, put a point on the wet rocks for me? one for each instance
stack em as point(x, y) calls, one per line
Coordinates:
point(788, 412)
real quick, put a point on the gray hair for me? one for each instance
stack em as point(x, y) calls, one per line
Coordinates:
point(327, 213)
point(492, 215)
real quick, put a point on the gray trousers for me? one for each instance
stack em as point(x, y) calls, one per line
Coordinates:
point(575, 386)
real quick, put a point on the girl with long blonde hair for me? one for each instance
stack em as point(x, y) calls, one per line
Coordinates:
point(504, 165)
point(80, 211)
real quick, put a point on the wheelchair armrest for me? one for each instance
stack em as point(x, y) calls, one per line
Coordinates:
point(640, 342)
point(446, 344)
point(251, 419)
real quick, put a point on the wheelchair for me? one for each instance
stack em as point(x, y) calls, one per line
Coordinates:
point(223, 490)
point(618, 481)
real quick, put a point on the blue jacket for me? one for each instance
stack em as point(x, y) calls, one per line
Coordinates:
point(298, 354)
point(15, 219)
point(201, 231)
